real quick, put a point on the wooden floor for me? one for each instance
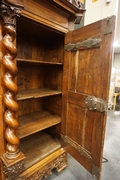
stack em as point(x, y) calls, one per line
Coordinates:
point(110, 169)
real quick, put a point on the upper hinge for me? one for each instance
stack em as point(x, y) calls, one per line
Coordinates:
point(109, 25)
point(97, 104)
point(88, 43)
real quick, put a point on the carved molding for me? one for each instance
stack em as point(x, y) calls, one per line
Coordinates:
point(16, 3)
point(59, 163)
point(9, 13)
point(12, 172)
point(76, 3)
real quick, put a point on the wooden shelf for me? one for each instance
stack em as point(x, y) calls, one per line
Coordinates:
point(38, 62)
point(36, 93)
point(38, 146)
point(36, 121)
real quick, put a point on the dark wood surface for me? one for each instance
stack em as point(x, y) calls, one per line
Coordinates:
point(38, 146)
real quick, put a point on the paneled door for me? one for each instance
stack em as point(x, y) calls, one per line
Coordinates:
point(87, 67)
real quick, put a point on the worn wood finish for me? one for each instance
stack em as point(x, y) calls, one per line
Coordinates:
point(38, 147)
point(87, 76)
point(36, 93)
point(36, 121)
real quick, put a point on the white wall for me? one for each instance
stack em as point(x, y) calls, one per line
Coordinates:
point(116, 62)
point(99, 10)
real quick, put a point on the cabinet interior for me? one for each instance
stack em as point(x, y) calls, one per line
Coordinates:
point(40, 74)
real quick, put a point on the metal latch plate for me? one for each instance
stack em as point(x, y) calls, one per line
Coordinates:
point(97, 104)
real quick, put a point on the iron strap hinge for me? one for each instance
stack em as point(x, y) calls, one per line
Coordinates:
point(97, 104)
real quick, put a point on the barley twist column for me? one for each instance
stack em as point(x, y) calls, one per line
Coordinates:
point(13, 157)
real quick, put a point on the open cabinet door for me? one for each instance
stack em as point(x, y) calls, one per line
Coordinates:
point(87, 67)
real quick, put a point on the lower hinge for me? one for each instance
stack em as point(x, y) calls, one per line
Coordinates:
point(95, 171)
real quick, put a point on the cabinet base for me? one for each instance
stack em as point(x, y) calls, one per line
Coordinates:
point(43, 169)
point(13, 167)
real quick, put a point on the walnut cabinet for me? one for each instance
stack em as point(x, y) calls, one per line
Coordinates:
point(54, 88)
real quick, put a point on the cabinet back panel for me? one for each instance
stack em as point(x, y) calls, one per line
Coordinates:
point(29, 106)
point(33, 76)
point(54, 49)
point(40, 44)
point(30, 76)
point(30, 48)
point(53, 104)
point(53, 77)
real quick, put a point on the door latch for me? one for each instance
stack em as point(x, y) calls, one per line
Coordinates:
point(97, 104)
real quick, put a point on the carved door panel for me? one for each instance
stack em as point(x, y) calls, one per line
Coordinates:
point(88, 58)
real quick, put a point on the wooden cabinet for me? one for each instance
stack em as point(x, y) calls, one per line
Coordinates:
point(54, 88)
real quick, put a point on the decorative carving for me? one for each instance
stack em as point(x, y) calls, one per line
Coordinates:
point(12, 89)
point(59, 163)
point(9, 54)
point(76, 146)
point(76, 3)
point(13, 171)
point(88, 43)
point(9, 13)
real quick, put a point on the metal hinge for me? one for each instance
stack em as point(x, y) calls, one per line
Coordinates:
point(80, 149)
point(97, 104)
point(88, 43)
point(95, 171)
point(109, 25)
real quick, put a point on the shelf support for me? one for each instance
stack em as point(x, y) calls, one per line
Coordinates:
point(13, 157)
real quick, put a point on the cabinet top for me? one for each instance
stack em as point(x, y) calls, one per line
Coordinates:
point(57, 14)
point(70, 3)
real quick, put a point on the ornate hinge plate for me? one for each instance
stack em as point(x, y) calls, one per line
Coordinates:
point(97, 104)
point(88, 43)
point(82, 151)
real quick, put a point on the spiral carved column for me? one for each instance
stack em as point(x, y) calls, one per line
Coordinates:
point(13, 157)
